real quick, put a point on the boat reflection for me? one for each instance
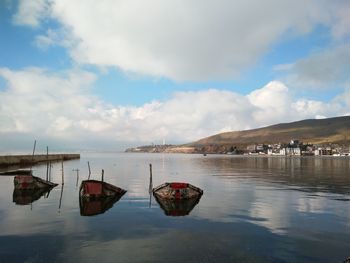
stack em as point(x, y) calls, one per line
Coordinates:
point(28, 196)
point(177, 207)
point(97, 205)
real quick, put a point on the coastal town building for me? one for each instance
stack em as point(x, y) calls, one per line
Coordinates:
point(298, 148)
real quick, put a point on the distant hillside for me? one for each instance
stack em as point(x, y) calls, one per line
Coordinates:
point(320, 131)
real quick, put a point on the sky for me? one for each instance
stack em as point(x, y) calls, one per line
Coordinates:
point(111, 74)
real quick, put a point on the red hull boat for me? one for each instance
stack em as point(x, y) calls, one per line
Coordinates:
point(96, 189)
point(177, 191)
point(28, 182)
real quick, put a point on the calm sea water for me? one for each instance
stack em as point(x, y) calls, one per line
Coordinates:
point(253, 210)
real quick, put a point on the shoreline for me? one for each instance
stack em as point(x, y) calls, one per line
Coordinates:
point(243, 155)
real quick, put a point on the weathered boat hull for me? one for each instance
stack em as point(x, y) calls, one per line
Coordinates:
point(177, 191)
point(96, 189)
point(27, 182)
point(177, 207)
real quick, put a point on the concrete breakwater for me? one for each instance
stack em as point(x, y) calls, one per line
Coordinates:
point(9, 160)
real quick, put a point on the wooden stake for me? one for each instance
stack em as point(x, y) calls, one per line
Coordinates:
point(103, 172)
point(47, 163)
point(150, 185)
point(62, 173)
point(33, 155)
point(150, 178)
point(59, 206)
point(76, 185)
point(50, 171)
point(89, 171)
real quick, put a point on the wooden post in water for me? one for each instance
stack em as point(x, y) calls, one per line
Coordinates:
point(60, 203)
point(31, 165)
point(76, 185)
point(47, 163)
point(150, 178)
point(89, 171)
point(62, 173)
point(150, 185)
point(50, 171)
point(103, 171)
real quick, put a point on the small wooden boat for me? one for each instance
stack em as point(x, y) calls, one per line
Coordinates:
point(177, 207)
point(26, 182)
point(97, 189)
point(96, 197)
point(28, 196)
point(178, 191)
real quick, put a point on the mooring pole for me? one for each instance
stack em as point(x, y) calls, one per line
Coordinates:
point(62, 173)
point(60, 203)
point(150, 185)
point(31, 166)
point(150, 178)
point(89, 171)
point(103, 172)
point(47, 163)
point(76, 185)
point(50, 171)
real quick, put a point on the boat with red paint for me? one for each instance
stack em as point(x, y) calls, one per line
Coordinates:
point(96, 197)
point(97, 189)
point(27, 182)
point(177, 191)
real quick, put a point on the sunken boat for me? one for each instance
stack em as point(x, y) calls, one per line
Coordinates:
point(96, 197)
point(177, 207)
point(99, 189)
point(177, 191)
point(30, 182)
point(28, 196)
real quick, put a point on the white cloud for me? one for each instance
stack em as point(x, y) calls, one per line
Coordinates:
point(324, 69)
point(57, 37)
point(341, 27)
point(185, 40)
point(38, 101)
point(45, 41)
point(31, 13)
point(182, 39)
point(60, 105)
point(272, 102)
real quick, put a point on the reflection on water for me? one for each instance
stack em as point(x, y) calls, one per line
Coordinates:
point(177, 207)
point(95, 206)
point(254, 210)
point(28, 196)
point(307, 174)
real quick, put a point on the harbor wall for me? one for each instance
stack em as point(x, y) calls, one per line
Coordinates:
point(9, 160)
